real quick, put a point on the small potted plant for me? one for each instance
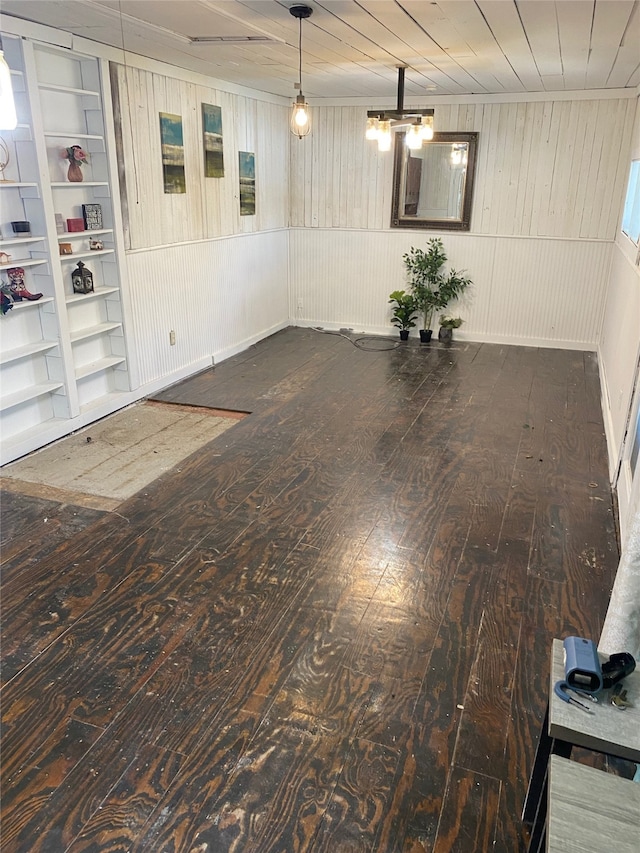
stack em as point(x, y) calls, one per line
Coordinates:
point(447, 325)
point(404, 312)
point(430, 287)
point(76, 157)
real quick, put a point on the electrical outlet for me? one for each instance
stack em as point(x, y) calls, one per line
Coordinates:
point(172, 338)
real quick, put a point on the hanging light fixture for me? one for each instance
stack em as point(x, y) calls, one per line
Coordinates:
point(8, 117)
point(300, 123)
point(419, 123)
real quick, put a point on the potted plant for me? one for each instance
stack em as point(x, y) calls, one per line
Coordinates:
point(447, 325)
point(430, 288)
point(404, 312)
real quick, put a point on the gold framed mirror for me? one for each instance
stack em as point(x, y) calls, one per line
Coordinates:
point(433, 184)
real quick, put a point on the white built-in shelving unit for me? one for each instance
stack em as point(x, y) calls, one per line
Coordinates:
point(64, 358)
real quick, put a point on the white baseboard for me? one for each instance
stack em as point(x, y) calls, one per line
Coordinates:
point(459, 335)
point(223, 354)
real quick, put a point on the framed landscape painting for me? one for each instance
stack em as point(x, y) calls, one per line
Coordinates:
point(247, 183)
point(212, 141)
point(172, 153)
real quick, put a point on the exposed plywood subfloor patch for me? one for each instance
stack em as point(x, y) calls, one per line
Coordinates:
point(109, 461)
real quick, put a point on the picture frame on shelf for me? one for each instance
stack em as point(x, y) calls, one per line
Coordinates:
point(92, 217)
point(60, 224)
point(65, 248)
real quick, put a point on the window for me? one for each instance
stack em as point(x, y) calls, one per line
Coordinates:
point(631, 213)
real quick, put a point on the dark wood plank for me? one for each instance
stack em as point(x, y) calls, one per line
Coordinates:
point(329, 628)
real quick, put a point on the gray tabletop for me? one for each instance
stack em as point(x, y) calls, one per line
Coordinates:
point(608, 729)
point(591, 811)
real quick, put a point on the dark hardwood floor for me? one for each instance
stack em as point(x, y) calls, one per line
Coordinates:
point(327, 631)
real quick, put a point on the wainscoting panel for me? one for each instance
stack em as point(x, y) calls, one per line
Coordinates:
point(619, 349)
point(218, 297)
point(537, 292)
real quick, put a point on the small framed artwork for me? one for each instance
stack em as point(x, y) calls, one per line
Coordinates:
point(92, 216)
point(60, 224)
point(247, 162)
point(212, 141)
point(65, 248)
point(172, 146)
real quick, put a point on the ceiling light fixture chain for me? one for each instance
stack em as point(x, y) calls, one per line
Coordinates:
point(418, 123)
point(300, 123)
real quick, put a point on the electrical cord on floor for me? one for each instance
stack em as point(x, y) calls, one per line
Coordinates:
point(357, 341)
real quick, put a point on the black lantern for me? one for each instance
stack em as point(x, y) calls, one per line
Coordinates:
point(82, 279)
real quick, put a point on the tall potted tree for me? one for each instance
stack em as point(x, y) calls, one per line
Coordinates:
point(431, 289)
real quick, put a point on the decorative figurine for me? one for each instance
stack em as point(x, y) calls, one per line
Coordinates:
point(65, 248)
point(82, 279)
point(96, 245)
point(17, 287)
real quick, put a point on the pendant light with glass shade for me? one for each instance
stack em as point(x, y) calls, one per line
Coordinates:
point(300, 122)
point(418, 123)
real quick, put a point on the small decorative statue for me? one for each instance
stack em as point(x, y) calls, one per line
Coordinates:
point(82, 279)
point(17, 287)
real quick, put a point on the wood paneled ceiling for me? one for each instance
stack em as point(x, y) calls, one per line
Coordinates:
point(351, 48)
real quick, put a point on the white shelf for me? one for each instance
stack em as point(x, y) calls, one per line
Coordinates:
point(65, 352)
point(94, 331)
point(98, 366)
point(13, 241)
point(32, 303)
point(25, 351)
point(88, 254)
point(68, 90)
point(64, 134)
point(23, 262)
point(31, 392)
point(95, 294)
point(57, 185)
point(71, 234)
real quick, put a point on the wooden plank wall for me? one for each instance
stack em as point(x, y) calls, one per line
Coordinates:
point(545, 168)
point(218, 279)
point(210, 207)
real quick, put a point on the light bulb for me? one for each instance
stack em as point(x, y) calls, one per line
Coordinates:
point(384, 136)
point(8, 117)
point(413, 138)
point(300, 121)
point(372, 128)
point(426, 129)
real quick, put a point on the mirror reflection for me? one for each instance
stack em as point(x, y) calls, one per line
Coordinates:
point(433, 184)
